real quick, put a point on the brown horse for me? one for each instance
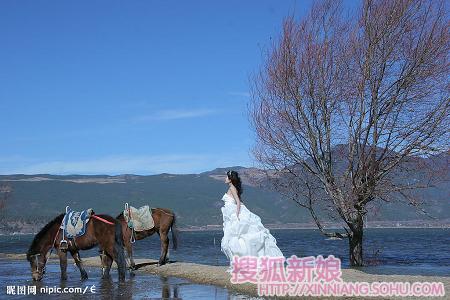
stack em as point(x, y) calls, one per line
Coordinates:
point(98, 232)
point(164, 220)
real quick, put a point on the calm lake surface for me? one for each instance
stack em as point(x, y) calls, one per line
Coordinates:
point(388, 251)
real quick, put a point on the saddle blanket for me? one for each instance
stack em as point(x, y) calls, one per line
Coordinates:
point(141, 219)
point(74, 223)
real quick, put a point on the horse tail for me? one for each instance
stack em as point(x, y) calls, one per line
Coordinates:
point(173, 228)
point(118, 249)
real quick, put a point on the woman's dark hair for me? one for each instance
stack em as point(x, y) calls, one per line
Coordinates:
point(236, 181)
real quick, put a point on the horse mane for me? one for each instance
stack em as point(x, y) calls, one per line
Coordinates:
point(41, 233)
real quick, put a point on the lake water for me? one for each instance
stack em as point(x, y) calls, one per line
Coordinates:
point(388, 251)
point(142, 286)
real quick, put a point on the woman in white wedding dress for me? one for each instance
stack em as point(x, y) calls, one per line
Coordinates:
point(243, 232)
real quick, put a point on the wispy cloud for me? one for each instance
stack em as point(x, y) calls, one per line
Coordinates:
point(131, 164)
point(175, 114)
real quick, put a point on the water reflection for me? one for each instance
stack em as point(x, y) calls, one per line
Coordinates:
point(142, 286)
point(166, 289)
point(136, 287)
point(106, 288)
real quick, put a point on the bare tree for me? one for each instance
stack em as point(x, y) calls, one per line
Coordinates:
point(5, 193)
point(370, 88)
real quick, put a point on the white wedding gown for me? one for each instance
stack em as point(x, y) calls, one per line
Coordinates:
point(246, 236)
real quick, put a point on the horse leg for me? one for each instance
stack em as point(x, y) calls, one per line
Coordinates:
point(114, 253)
point(79, 263)
point(63, 264)
point(164, 247)
point(106, 264)
point(129, 252)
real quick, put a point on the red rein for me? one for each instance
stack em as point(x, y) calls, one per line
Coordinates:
point(103, 220)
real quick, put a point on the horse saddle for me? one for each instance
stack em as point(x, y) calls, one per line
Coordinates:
point(75, 222)
point(139, 218)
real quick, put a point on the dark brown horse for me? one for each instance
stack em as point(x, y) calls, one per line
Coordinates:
point(98, 232)
point(164, 220)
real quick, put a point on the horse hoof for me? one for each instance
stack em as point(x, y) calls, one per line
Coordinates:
point(63, 277)
point(132, 274)
point(84, 276)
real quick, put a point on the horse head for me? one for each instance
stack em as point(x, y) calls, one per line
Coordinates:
point(37, 264)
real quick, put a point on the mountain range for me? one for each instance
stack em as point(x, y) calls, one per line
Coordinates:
point(195, 198)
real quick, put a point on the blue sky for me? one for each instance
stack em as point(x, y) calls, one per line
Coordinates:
point(143, 87)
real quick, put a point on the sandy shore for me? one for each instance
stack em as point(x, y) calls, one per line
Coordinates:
point(217, 275)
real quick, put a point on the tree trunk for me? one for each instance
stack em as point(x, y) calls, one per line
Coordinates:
point(355, 243)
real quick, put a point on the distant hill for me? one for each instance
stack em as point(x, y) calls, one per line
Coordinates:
point(196, 198)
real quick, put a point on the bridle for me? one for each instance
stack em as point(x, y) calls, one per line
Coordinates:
point(36, 257)
point(133, 234)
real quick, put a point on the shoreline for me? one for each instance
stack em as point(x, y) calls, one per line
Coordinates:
point(213, 229)
point(447, 226)
point(217, 275)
